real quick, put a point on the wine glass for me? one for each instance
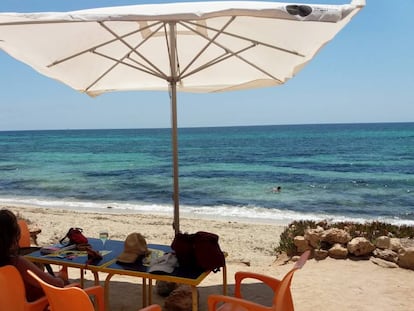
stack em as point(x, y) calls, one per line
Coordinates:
point(103, 236)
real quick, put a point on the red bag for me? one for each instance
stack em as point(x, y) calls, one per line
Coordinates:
point(184, 250)
point(207, 251)
point(199, 250)
point(75, 236)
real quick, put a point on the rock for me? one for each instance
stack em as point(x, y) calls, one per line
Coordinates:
point(338, 243)
point(386, 254)
point(383, 242)
point(360, 246)
point(301, 244)
point(164, 288)
point(406, 258)
point(395, 244)
point(383, 263)
point(335, 235)
point(320, 254)
point(180, 299)
point(313, 236)
point(281, 259)
point(407, 242)
point(338, 251)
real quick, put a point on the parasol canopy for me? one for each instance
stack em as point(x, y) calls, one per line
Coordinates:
point(190, 47)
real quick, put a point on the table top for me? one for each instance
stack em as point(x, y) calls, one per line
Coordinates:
point(109, 264)
point(74, 258)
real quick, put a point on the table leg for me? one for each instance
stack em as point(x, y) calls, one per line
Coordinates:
point(96, 277)
point(225, 280)
point(82, 278)
point(194, 296)
point(149, 292)
point(106, 291)
point(144, 292)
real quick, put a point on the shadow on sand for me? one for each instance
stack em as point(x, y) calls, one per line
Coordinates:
point(126, 295)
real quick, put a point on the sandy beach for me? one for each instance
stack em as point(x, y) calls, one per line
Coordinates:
point(330, 284)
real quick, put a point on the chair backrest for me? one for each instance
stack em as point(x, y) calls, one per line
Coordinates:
point(13, 294)
point(66, 298)
point(282, 301)
point(24, 233)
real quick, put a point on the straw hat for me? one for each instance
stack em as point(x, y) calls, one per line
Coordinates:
point(134, 247)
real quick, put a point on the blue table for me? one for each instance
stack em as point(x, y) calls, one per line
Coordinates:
point(77, 259)
point(109, 264)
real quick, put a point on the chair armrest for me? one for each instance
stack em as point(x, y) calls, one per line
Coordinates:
point(153, 307)
point(73, 285)
point(273, 283)
point(39, 304)
point(214, 300)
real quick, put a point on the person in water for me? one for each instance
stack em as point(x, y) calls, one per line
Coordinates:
point(9, 255)
point(277, 189)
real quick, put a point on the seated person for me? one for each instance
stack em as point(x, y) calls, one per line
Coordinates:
point(9, 255)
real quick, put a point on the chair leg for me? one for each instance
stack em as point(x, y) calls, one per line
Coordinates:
point(49, 269)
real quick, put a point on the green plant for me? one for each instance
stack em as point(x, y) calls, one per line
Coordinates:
point(369, 230)
point(294, 229)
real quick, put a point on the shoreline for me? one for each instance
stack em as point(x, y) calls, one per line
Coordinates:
point(249, 215)
point(110, 210)
point(330, 284)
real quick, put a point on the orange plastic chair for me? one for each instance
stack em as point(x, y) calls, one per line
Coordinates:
point(24, 241)
point(153, 307)
point(282, 300)
point(72, 298)
point(13, 293)
point(24, 234)
point(25, 245)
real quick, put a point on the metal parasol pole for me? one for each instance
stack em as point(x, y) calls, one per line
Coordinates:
point(173, 85)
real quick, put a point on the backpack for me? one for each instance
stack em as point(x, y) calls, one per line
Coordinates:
point(184, 250)
point(200, 250)
point(207, 251)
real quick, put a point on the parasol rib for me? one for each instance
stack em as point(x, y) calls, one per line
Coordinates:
point(250, 40)
point(96, 46)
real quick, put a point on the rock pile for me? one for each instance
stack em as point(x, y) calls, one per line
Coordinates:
point(338, 243)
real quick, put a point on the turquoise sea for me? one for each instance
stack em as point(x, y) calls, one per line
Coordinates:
point(339, 172)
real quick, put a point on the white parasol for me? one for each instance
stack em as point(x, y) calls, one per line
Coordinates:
point(191, 47)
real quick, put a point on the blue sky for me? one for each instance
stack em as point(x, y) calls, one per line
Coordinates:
point(364, 75)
